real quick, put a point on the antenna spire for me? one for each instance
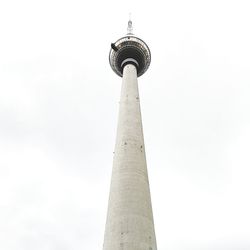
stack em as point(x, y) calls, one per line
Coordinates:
point(130, 27)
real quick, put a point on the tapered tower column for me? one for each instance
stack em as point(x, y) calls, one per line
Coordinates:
point(130, 224)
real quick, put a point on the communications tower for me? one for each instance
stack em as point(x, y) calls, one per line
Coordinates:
point(129, 224)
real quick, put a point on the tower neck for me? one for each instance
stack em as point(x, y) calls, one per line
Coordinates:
point(130, 224)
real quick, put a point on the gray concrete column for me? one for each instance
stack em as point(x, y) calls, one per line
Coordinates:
point(129, 224)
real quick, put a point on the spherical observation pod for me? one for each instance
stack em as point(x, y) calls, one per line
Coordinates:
point(129, 50)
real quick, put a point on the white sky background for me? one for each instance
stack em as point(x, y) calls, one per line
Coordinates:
point(58, 116)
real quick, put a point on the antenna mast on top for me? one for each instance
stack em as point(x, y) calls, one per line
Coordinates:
point(130, 27)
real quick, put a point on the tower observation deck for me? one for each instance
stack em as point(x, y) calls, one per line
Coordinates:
point(129, 224)
point(129, 50)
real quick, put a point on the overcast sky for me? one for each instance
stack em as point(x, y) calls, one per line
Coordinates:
point(59, 109)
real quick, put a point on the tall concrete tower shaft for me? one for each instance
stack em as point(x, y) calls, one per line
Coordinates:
point(129, 224)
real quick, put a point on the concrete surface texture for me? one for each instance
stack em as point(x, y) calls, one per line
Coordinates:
point(129, 224)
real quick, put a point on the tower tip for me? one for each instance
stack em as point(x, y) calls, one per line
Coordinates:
point(130, 26)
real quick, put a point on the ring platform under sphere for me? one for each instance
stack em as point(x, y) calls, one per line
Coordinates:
point(129, 50)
